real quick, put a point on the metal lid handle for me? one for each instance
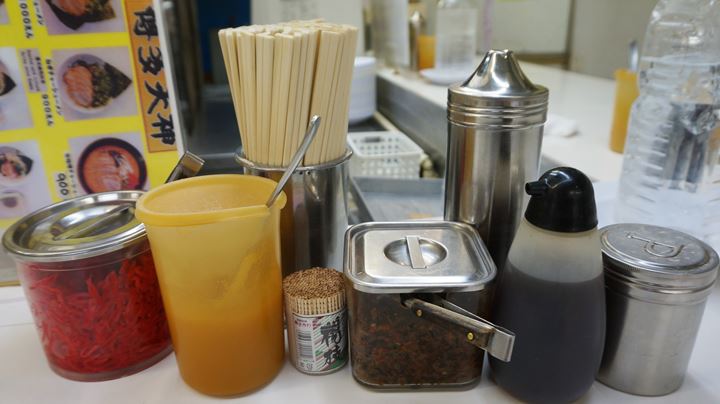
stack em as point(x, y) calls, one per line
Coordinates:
point(485, 335)
point(417, 261)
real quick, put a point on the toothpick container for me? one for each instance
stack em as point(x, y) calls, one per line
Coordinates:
point(316, 318)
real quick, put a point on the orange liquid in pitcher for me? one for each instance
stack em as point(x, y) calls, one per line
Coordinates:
point(228, 331)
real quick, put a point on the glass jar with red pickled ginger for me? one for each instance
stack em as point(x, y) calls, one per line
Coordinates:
point(88, 274)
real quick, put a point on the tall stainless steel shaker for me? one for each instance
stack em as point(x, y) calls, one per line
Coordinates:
point(495, 126)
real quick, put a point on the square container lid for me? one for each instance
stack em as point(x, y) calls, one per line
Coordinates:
point(417, 256)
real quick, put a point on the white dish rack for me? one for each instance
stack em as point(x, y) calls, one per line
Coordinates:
point(384, 154)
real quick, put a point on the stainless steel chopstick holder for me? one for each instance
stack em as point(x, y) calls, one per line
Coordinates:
point(314, 221)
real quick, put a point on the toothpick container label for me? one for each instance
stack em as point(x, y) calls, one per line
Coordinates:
point(321, 342)
point(316, 320)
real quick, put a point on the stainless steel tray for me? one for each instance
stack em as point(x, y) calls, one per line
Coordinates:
point(389, 199)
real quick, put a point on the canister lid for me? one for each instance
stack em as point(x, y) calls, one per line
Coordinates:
point(658, 257)
point(416, 256)
point(77, 228)
point(498, 92)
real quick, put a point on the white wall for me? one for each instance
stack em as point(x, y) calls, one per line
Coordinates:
point(337, 11)
point(602, 31)
point(526, 26)
point(531, 26)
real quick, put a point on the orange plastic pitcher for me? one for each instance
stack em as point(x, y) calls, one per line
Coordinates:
point(217, 252)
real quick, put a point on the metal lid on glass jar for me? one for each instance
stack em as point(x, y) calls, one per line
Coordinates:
point(498, 94)
point(661, 260)
point(77, 228)
point(416, 256)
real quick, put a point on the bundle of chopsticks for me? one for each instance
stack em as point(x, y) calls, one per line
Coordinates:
point(280, 75)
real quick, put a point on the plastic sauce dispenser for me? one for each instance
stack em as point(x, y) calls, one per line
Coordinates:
point(552, 293)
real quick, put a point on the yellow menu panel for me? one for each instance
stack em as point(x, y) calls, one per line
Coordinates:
point(86, 101)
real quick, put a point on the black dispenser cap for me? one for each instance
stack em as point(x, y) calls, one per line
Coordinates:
point(562, 200)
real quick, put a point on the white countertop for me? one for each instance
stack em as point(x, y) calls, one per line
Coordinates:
point(585, 99)
point(25, 376)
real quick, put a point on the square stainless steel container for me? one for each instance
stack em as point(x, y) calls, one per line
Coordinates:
point(416, 294)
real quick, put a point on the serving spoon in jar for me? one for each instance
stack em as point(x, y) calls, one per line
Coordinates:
point(295, 162)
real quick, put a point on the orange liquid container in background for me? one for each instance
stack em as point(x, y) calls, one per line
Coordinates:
point(426, 51)
point(217, 254)
point(626, 91)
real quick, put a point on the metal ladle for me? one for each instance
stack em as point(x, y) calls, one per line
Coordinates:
point(295, 162)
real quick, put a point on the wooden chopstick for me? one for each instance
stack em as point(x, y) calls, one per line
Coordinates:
point(327, 53)
point(266, 69)
point(336, 97)
point(280, 75)
point(310, 65)
point(225, 37)
point(247, 46)
point(339, 144)
point(295, 85)
point(286, 52)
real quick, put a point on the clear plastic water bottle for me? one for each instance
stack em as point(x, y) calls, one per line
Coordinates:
point(670, 173)
point(456, 35)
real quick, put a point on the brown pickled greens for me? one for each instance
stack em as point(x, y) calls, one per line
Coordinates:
point(391, 347)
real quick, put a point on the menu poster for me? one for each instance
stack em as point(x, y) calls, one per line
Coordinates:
point(87, 102)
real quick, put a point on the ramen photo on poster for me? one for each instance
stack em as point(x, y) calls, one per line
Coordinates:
point(14, 111)
point(23, 185)
point(95, 83)
point(109, 163)
point(82, 16)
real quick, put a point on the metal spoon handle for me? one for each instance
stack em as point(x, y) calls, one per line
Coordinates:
point(295, 162)
point(633, 56)
point(188, 166)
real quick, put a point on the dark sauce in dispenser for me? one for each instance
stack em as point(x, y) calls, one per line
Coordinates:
point(564, 321)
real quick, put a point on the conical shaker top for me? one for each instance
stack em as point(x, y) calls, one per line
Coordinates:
point(498, 93)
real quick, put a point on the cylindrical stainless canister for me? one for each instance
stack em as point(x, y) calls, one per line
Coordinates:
point(495, 126)
point(657, 281)
point(314, 220)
